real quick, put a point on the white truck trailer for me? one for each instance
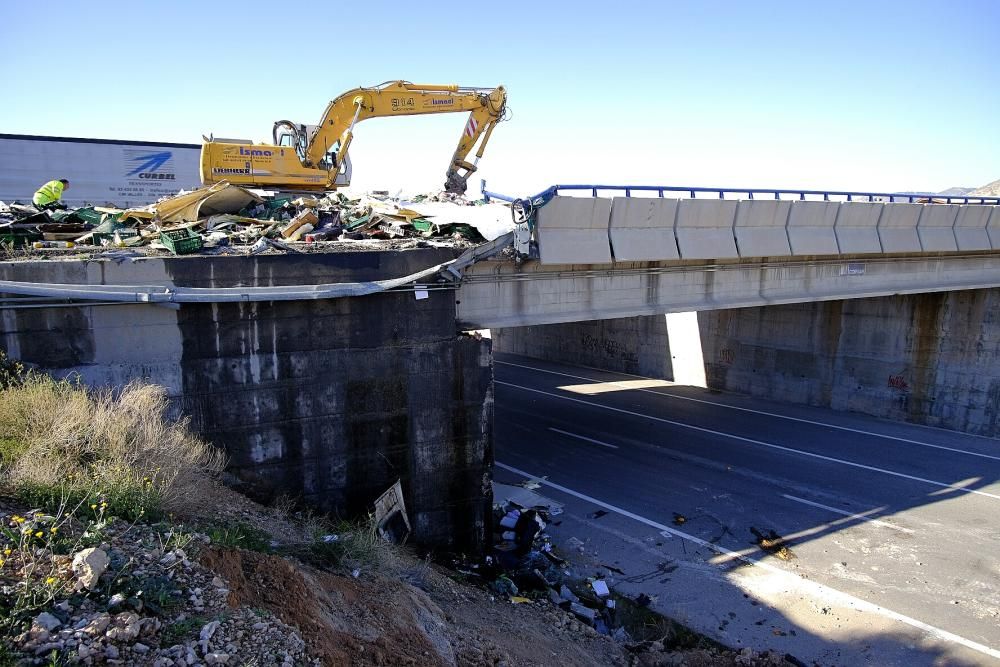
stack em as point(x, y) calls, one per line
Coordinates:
point(100, 171)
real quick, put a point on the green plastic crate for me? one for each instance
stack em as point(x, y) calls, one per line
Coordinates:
point(181, 241)
point(123, 233)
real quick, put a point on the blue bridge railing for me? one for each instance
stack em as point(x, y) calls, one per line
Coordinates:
point(770, 193)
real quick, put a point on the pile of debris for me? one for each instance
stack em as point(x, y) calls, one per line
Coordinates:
point(524, 565)
point(228, 218)
point(525, 568)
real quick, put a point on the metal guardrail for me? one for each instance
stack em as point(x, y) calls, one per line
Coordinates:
point(775, 193)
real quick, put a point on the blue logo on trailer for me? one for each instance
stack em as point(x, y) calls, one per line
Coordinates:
point(150, 162)
point(149, 165)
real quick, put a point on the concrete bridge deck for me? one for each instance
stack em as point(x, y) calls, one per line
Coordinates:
point(607, 257)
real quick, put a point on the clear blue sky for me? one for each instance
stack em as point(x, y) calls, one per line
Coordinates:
point(865, 95)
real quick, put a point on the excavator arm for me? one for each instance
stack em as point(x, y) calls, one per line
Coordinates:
point(321, 150)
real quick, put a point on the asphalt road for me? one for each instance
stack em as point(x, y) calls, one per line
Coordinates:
point(892, 530)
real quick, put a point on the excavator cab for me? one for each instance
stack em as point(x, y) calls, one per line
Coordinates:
point(287, 134)
point(292, 135)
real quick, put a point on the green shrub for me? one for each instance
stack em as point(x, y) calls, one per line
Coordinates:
point(240, 536)
point(61, 442)
point(12, 372)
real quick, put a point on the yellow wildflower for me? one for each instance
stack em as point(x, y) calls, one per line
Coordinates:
point(2, 561)
point(50, 581)
point(53, 530)
point(17, 519)
point(39, 534)
point(6, 552)
point(93, 507)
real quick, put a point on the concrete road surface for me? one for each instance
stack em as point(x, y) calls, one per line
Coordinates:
point(891, 532)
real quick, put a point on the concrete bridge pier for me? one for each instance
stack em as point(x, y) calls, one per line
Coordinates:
point(326, 401)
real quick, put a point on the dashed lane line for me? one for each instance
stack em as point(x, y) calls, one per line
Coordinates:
point(764, 412)
point(584, 438)
point(761, 443)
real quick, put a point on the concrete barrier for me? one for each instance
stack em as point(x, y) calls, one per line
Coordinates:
point(705, 229)
point(642, 229)
point(897, 227)
point(810, 228)
point(993, 228)
point(574, 230)
point(760, 228)
point(970, 227)
point(857, 227)
point(936, 227)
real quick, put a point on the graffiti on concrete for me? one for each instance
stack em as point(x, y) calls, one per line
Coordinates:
point(609, 346)
point(898, 382)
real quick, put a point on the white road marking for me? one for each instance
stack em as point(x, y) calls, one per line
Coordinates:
point(860, 517)
point(765, 413)
point(761, 443)
point(580, 437)
point(815, 587)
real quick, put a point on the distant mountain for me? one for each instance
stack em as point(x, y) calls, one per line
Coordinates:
point(989, 190)
point(956, 192)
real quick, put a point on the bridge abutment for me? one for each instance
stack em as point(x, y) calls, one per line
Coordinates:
point(327, 401)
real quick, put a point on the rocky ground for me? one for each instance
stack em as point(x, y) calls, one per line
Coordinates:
point(254, 587)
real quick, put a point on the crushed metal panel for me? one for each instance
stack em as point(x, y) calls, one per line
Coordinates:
point(203, 202)
point(970, 227)
point(642, 229)
point(390, 515)
point(857, 227)
point(897, 228)
point(705, 229)
point(810, 228)
point(574, 230)
point(936, 227)
point(760, 228)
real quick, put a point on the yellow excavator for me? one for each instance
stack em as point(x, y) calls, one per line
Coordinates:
point(314, 158)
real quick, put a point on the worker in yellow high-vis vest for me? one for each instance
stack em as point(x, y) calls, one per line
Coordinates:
point(48, 195)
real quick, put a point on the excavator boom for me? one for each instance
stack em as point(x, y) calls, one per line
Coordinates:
point(315, 158)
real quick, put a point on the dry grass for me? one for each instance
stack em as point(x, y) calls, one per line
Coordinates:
point(59, 436)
